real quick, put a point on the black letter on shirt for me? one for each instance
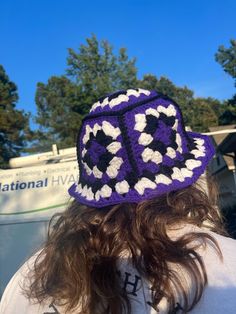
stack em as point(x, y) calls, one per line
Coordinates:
point(133, 284)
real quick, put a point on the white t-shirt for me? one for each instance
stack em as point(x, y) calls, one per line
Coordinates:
point(219, 295)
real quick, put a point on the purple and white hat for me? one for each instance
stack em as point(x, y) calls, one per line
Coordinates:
point(133, 146)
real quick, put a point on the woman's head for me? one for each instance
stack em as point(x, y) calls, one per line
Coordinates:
point(138, 173)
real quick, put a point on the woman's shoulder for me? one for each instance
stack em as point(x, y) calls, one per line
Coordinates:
point(13, 299)
point(219, 295)
point(226, 244)
point(208, 250)
point(220, 268)
point(227, 247)
point(182, 229)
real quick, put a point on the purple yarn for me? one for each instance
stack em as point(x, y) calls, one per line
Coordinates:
point(133, 146)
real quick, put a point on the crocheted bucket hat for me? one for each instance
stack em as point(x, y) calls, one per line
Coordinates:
point(133, 146)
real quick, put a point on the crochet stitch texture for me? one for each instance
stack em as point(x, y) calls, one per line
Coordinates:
point(133, 146)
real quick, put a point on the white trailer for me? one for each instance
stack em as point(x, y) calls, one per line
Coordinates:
point(29, 196)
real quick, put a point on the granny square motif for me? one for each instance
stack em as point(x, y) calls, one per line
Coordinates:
point(133, 146)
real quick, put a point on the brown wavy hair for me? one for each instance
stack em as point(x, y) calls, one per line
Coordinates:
point(78, 262)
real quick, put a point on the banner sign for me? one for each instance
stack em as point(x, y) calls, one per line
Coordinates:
point(35, 193)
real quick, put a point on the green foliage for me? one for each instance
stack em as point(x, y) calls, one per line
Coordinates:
point(203, 114)
point(58, 112)
point(228, 112)
point(14, 123)
point(98, 70)
point(228, 117)
point(93, 70)
point(226, 57)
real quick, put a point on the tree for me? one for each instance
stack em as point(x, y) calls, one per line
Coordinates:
point(227, 58)
point(203, 114)
point(59, 115)
point(93, 71)
point(14, 123)
point(228, 117)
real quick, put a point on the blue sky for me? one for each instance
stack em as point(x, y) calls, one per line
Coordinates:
point(173, 38)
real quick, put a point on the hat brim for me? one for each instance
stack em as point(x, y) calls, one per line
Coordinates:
point(161, 188)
